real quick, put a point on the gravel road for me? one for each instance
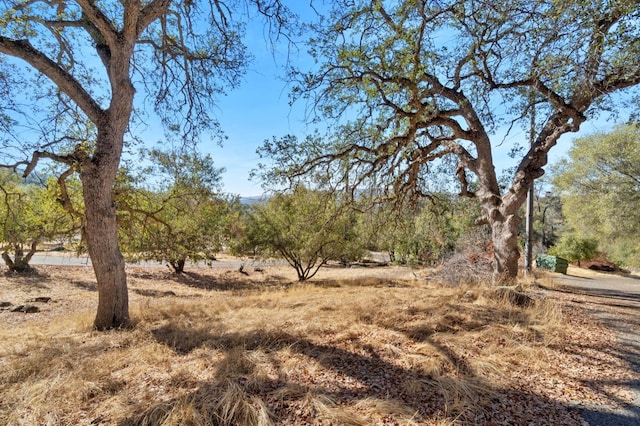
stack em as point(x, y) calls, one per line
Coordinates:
point(620, 311)
point(71, 259)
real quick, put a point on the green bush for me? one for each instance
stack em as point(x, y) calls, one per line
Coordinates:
point(575, 249)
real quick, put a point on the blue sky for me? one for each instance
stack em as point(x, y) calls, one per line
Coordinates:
point(259, 109)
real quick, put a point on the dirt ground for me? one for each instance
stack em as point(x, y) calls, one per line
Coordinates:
point(353, 346)
point(614, 300)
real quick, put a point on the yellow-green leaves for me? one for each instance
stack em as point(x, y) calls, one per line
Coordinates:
point(600, 189)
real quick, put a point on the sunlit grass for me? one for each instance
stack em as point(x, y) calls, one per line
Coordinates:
point(352, 351)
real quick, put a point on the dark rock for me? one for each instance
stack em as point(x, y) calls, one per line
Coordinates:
point(27, 309)
point(605, 268)
point(5, 304)
point(42, 299)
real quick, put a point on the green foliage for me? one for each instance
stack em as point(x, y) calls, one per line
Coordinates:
point(29, 215)
point(574, 249)
point(600, 189)
point(178, 217)
point(548, 219)
point(307, 228)
point(624, 252)
point(419, 234)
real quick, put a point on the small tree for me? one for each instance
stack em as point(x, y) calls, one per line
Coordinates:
point(29, 215)
point(181, 219)
point(306, 228)
point(574, 248)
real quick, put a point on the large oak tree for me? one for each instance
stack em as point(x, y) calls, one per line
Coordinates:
point(411, 83)
point(70, 71)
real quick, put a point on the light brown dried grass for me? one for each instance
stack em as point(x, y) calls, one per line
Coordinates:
point(256, 356)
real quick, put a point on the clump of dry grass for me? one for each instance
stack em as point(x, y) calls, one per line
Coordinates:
point(360, 350)
point(226, 406)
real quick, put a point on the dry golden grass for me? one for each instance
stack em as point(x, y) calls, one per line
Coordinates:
point(354, 347)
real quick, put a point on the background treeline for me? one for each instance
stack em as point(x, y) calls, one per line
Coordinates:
point(172, 209)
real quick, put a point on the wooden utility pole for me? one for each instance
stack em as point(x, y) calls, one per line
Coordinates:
point(528, 257)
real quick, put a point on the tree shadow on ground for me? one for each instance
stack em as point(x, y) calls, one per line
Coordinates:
point(230, 280)
point(153, 293)
point(206, 282)
point(182, 340)
point(85, 285)
point(344, 380)
point(607, 294)
point(362, 282)
point(30, 279)
point(618, 311)
point(628, 351)
point(578, 276)
point(610, 298)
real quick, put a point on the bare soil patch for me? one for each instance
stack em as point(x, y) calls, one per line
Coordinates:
point(354, 346)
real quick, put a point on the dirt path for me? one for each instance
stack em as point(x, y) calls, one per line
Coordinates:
point(615, 300)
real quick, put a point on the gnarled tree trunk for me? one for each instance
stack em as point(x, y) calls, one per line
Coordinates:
point(20, 261)
point(504, 235)
point(501, 214)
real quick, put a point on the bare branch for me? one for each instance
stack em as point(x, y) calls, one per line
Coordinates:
point(65, 159)
point(66, 82)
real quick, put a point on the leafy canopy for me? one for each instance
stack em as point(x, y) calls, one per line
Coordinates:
point(307, 228)
point(30, 215)
point(574, 248)
point(599, 186)
point(171, 211)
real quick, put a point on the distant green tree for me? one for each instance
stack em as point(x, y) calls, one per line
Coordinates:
point(575, 249)
point(29, 215)
point(307, 228)
point(177, 216)
point(424, 233)
point(600, 190)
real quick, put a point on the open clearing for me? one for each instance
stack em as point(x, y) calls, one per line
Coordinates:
point(352, 347)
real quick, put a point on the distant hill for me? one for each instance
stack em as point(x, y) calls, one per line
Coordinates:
point(258, 199)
